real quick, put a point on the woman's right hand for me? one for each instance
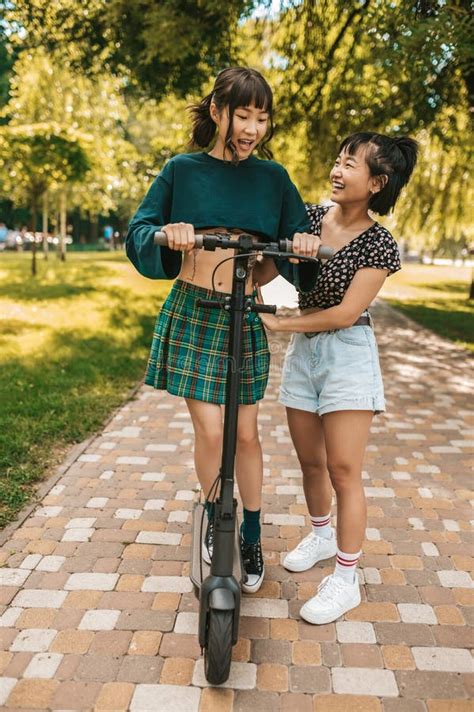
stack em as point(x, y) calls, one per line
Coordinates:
point(180, 236)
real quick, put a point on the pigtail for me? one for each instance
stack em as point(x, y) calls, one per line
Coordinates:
point(409, 149)
point(204, 127)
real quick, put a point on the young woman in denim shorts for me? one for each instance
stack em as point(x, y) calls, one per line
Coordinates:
point(226, 188)
point(332, 385)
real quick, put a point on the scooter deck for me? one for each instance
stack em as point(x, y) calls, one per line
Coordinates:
point(199, 569)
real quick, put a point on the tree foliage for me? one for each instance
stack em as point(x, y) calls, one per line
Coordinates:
point(336, 66)
point(166, 46)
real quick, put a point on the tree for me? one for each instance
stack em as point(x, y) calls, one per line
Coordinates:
point(166, 46)
point(38, 159)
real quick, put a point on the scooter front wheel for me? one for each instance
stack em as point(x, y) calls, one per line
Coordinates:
point(218, 652)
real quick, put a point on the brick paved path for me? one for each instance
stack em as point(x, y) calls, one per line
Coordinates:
point(97, 611)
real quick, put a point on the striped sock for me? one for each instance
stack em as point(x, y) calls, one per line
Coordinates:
point(322, 526)
point(346, 565)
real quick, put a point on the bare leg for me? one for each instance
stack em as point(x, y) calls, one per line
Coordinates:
point(308, 438)
point(207, 423)
point(346, 434)
point(249, 461)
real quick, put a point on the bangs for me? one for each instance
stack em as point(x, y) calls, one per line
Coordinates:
point(248, 90)
point(359, 140)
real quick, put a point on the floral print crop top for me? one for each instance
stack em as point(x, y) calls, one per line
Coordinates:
point(375, 247)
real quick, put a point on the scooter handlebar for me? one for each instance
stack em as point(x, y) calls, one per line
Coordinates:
point(324, 252)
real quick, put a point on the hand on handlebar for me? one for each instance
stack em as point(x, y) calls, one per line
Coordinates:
point(305, 244)
point(180, 236)
point(270, 321)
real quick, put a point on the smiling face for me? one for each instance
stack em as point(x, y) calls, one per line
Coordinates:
point(249, 126)
point(351, 180)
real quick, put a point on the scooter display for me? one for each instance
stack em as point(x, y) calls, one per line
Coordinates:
point(218, 587)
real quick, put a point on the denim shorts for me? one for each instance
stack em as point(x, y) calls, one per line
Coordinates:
point(333, 370)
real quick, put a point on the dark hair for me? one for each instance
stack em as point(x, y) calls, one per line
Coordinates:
point(234, 86)
point(394, 158)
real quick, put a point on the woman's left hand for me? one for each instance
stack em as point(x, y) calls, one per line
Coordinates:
point(270, 321)
point(305, 244)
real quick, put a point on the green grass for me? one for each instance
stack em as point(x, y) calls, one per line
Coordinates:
point(73, 341)
point(436, 297)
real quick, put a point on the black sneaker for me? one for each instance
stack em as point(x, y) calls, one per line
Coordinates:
point(208, 543)
point(252, 559)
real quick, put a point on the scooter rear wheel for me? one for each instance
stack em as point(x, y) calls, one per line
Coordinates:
point(218, 652)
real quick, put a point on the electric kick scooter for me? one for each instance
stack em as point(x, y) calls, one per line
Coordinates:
point(218, 588)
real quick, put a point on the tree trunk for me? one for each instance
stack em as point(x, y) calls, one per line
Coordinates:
point(62, 223)
point(33, 230)
point(45, 224)
point(471, 291)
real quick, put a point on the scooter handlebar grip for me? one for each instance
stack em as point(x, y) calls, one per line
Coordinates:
point(264, 308)
point(324, 252)
point(161, 238)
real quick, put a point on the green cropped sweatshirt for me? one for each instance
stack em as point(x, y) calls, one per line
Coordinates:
point(256, 196)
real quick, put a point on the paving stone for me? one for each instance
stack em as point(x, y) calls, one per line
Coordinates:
point(140, 669)
point(343, 703)
point(455, 579)
point(153, 698)
point(309, 679)
point(72, 695)
point(243, 676)
point(146, 642)
point(361, 655)
point(31, 561)
point(89, 581)
point(449, 705)
point(9, 617)
point(13, 577)
point(265, 608)
point(443, 659)
point(36, 598)
point(271, 651)
point(425, 685)
point(380, 683)
point(100, 619)
point(6, 686)
point(417, 613)
point(167, 584)
point(81, 523)
point(100, 668)
point(43, 665)
point(114, 696)
point(272, 677)
point(166, 538)
point(216, 699)
point(177, 671)
point(355, 632)
point(36, 640)
point(33, 693)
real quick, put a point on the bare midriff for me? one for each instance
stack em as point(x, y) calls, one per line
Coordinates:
point(198, 266)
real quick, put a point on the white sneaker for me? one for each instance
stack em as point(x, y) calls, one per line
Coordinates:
point(334, 598)
point(208, 543)
point(312, 549)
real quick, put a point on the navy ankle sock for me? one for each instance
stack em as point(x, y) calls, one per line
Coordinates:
point(250, 527)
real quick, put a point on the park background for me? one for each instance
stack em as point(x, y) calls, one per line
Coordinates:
point(93, 102)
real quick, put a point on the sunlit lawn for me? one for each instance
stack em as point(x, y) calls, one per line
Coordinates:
point(436, 297)
point(73, 341)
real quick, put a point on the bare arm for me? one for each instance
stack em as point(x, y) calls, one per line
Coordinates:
point(264, 271)
point(363, 289)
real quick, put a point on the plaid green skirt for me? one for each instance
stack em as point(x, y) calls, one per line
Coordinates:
point(189, 351)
